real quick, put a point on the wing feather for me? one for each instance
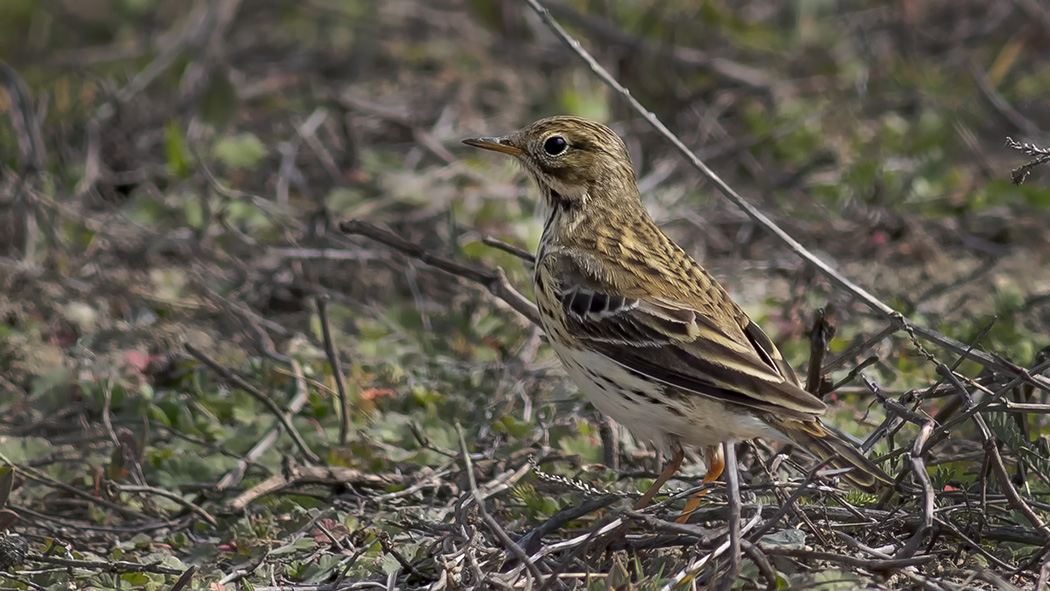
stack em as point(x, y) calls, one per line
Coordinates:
point(675, 343)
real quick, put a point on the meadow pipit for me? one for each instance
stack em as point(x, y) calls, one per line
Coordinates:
point(648, 335)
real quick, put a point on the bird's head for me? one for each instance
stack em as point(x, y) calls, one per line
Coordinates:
point(578, 164)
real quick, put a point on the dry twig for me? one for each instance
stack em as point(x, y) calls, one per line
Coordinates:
point(324, 475)
point(495, 281)
point(1040, 156)
point(491, 523)
point(236, 380)
point(337, 370)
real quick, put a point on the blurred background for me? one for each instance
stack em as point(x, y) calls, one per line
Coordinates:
point(173, 172)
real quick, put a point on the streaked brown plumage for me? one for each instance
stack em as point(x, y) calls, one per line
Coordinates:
point(648, 335)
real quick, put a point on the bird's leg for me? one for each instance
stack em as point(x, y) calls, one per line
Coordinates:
point(669, 471)
point(715, 465)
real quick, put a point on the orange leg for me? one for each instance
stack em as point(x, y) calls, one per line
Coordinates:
point(715, 465)
point(672, 467)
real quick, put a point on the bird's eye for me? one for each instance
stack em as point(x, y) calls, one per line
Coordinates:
point(555, 145)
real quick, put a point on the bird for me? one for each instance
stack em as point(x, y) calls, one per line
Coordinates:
point(646, 333)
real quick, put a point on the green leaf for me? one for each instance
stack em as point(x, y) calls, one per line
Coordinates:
point(135, 578)
point(389, 564)
point(243, 150)
point(175, 150)
point(300, 544)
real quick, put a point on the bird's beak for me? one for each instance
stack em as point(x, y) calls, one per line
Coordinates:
point(496, 144)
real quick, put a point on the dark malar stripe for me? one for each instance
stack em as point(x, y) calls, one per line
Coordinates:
point(556, 203)
point(550, 221)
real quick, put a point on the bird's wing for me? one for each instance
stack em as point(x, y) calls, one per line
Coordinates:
point(676, 343)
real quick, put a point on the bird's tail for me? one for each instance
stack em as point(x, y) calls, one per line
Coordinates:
point(823, 443)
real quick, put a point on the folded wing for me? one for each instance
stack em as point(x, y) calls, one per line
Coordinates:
point(675, 343)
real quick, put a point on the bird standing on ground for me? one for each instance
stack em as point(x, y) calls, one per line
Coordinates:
point(649, 336)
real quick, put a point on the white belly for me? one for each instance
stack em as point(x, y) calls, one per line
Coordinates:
point(691, 420)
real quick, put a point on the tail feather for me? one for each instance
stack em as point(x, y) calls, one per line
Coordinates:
point(819, 441)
